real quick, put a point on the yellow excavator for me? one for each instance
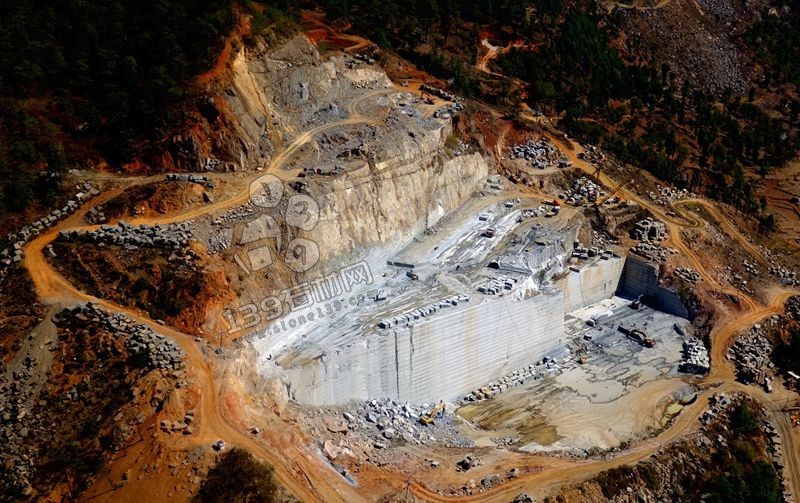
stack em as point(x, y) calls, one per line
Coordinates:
point(436, 412)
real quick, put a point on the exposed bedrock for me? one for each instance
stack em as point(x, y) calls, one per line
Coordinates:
point(447, 355)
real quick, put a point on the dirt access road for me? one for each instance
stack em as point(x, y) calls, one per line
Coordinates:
point(299, 468)
point(318, 481)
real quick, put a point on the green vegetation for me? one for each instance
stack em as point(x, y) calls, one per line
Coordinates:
point(238, 477)
point(776, 41)
point(743, 418)
point(787, 356)
point(93, 77)
point(736, 473)
point(636, 112)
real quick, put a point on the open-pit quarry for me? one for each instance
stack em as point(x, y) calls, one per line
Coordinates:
point(380, 309)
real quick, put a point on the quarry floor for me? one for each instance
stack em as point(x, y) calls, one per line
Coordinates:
point(589, 406)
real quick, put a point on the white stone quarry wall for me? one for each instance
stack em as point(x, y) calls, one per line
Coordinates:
point(389, 207)
point(440, 358)
point(591, 283)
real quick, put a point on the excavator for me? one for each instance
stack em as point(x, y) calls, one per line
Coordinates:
point(427, 418)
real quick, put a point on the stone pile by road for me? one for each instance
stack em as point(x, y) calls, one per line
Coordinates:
point(449, 111)
point(174, 237)
point(190, 178)
point(592, 155)
point(651, 251)
point(541, 154)
point(582, 191)
point(162, 353)
point(695, 357)
point(785, 276)
point(11, 253)
point(649, 230)
point(687, 274)
point(668, 195)
point(718, 403)
point(441, 93)
point(751, 353)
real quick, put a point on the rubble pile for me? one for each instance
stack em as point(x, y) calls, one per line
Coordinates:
point(449, 111)
point(190, 178)
point(365, 84)
point(792, 307)
point(183, 426)
point(322, 170)
point(421, 312)
point(17, 454)
point(469, 462)
point(687, 274)
point(29, 405)
point(541, 154)
point(357, 60)
point(650, 251)
point(95, 216)
point(440, 93)
point(582, 191)
point(12, 252)
point(592, 154)
point(719, 402)
point(668, 195)
point(383, 422)
point(695, 357)
point(775, 447)
point(649, 230)
point(497, 285)
point(751, 353)
point(694, 50)
point(786, 277)
point(162, 353)
point(750, 267)
point(579, 251)
point(544, 368)
point(174, 237)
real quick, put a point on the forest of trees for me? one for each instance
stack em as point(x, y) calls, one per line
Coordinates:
point(104, 74)
point(608, 102)
point(635, 111)
point(81, 78)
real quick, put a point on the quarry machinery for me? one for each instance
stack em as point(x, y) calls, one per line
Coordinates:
point(434, 413)
point(599, 202)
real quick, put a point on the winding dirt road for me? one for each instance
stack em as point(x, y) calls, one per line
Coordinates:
point(310, 478)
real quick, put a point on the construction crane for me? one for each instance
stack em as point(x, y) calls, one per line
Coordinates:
point(600, 202)
point(427, 419)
